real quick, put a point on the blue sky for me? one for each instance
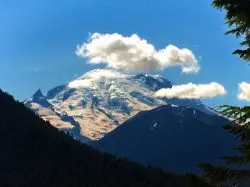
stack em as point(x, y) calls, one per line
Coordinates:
point(38, 39)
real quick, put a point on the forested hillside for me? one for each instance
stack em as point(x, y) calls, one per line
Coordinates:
point(33, 153)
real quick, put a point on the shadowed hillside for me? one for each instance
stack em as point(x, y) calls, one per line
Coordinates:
point(33, 153)
point(174, 138)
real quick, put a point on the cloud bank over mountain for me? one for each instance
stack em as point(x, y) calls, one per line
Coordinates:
point(134, 54)
point(87, 80)
point(192, 91)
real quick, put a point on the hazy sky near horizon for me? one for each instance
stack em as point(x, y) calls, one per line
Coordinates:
point(38, 39)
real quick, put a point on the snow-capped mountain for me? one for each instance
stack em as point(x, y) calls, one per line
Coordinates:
point(96, 103)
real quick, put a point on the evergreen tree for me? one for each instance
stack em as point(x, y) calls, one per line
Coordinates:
point(238, 19)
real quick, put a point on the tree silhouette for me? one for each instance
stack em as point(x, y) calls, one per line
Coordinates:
point(34, 153)
point(238, 19)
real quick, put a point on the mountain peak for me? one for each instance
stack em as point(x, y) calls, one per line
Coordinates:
point(155, 82)
point(97, 75)
point(106, 73)
point(38, 94)
point(149, 75)
point(39, 98)
point(102, 99)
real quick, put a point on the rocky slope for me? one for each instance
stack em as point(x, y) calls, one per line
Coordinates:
point(97, 102)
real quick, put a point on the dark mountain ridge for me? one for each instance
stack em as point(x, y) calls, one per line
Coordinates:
point(33, 153)
point(174, 138)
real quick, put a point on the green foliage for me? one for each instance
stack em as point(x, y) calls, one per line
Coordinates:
point(238, 18)
point(33, 153)
point(240, 128)
point(195, 180)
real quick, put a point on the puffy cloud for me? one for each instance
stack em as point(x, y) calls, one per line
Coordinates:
point(135, 54)
point(244, 91)
point(192, 91)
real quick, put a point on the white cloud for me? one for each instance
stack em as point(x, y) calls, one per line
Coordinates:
point(244, 91)
point(192, 91)
point(135, 54)
point(88, 80)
